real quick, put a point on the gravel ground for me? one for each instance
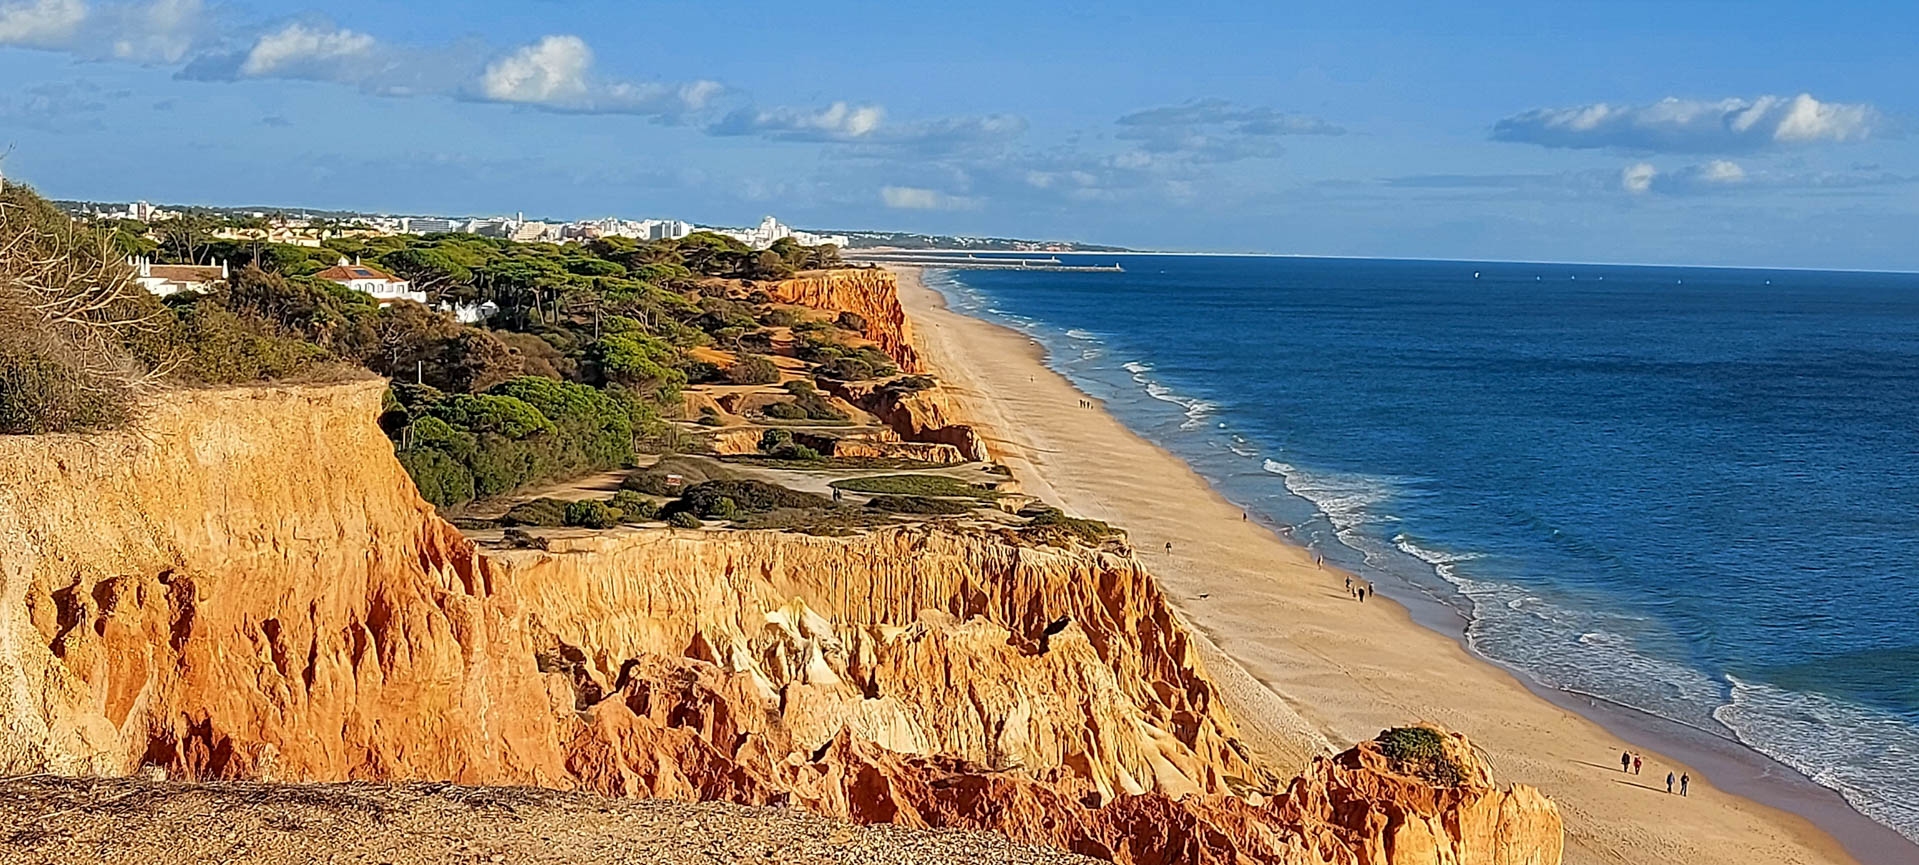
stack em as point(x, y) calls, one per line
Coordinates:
point(60, 820)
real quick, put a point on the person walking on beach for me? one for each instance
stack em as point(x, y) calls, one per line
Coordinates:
point(1349, 585)
point(1669, 780)
point(1635, 764)
point(1625, 762)
point(1684, 782)
point(1169, 548)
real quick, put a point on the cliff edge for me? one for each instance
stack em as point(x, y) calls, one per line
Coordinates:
point(247, 586)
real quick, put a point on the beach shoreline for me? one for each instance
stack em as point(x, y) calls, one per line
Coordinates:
point(1307, 668)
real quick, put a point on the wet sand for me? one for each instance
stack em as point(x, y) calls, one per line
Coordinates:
point(1308, 669)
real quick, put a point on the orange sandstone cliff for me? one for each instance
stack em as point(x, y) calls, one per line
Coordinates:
point(247, 585)
point(923, 416)
point(870, 292)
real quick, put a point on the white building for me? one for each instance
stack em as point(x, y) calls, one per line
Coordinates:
point(471, 313)
point(770, 230)
point(664, 229)
point(428, 225)
point(170, 279)
point(384, 287)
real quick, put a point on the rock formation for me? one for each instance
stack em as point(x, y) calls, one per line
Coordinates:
point(884, 444)
point(870, 293)
point(247, 586)
point(916, 416)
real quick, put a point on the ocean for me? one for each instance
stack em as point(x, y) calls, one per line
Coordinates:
point(1691, 491)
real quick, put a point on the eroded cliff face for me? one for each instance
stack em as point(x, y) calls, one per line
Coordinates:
point(917, 416)
point(869, 292)
point(248, 586)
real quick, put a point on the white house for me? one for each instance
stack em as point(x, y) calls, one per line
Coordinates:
point(384, 287)
point(170, 279)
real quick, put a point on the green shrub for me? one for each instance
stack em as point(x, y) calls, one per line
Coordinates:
point(538, 512)
point(683, 520)
point(41, 395)
point(1053, 526)
point(912, 485)
point(817, 408)
point(220, 347)
point(753, 369)
point(789, 410)
point(758, 342)
point(489, 413)
point(845, 369)
point(633, 507)
point(1422, 753)
point(798, 452)
point(748, 496)
point(917, 505)
point(774, 439)
point(779, 317)
point(910, 384)
point(589, 514)
point(442, 480)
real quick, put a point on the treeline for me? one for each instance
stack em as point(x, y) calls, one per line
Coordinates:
point(580, 363)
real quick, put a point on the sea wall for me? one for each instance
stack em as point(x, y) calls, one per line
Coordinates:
point(248, 586)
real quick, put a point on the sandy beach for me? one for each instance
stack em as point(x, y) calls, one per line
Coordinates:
point(1308, 668)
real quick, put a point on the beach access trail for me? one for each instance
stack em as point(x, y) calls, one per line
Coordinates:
point(1334, 671)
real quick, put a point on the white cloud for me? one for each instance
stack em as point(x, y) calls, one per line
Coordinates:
point(299, 51)
point(1808, 119)
point(556, 74)
point(1675, 125)
point(919, 198)
point(1214, 130)
point(1721, 171)
point(162, 32)
point(549, 72)
point(40, 23)
point(837, 122)
point(1638, 177)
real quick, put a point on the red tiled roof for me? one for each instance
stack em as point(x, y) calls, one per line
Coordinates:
point(351, 272)
point(184, 272)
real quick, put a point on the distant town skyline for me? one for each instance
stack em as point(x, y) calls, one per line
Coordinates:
point(1626, 131)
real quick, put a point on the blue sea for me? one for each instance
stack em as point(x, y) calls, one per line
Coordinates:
point(1691, 491)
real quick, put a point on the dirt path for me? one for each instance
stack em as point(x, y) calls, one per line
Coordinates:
point(48, 820)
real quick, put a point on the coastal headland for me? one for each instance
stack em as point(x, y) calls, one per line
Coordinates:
point(246, 585)
point(1321, 669)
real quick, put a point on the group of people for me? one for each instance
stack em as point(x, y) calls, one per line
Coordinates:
point(1356, 588)
point(1630, 763)
point(1086, 403)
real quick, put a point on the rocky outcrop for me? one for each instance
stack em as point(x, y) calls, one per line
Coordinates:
point(921, 452)
point(248, 586)
point(925, 415)
point(870, 293)
point(855, 446)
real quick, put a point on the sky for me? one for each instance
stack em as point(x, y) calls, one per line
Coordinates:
point(1732, 132)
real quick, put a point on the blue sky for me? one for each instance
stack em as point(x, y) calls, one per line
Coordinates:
point(1753, 132)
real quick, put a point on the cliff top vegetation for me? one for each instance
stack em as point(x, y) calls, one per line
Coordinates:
point(577, 356)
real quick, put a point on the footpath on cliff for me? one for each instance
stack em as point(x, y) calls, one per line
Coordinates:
point(248, 587)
